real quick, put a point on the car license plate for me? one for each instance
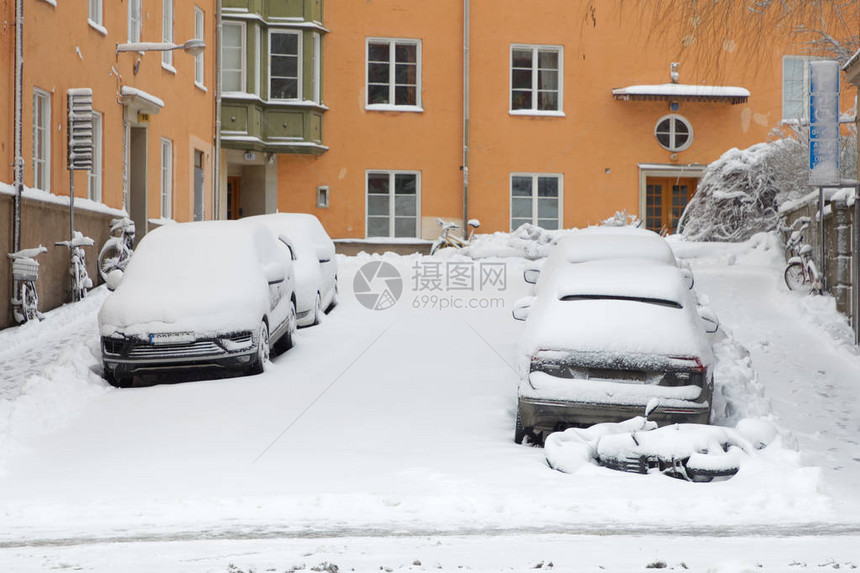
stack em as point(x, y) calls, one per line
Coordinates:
point(171, 338)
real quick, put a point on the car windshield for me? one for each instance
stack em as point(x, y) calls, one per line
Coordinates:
point(655, 301)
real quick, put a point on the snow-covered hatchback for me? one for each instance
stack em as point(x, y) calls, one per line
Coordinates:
point(197, 296)
point(603, 339)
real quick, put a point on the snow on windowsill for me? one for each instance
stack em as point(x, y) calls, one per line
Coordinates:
point(161, 221)
point(534, 112)
point(47, 197)
point(168, 68)
point(391, 107)
point(200, 87)
point(831, 194)
point(51, 2)
point(97, 27)
point(386, 241)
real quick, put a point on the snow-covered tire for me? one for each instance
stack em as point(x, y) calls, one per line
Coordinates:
point(288, 340)
point(110, 257)
point(258, 362)
point(437, 244)
point(122, 381)
point(318, 310)
point(29, 301)
point(794, 279)
point(519, 431)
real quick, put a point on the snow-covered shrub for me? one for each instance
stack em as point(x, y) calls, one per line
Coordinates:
point(740, 192)
point(622, 219)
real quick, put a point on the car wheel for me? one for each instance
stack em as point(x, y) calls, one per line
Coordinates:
point(519, 431)
point(334, 295)
point(258, 364)
point(318, 310)
point(117, 381)
point(288, 340)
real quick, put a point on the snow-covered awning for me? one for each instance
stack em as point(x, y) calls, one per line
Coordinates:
point(682, 92)
point(141, 101)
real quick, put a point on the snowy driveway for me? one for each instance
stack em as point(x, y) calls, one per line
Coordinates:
point(402, 421)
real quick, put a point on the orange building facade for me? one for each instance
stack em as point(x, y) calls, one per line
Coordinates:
point(154, 124)
point(567, 113)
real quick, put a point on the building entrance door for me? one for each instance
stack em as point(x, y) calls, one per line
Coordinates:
point(665, 201)
point(234, 197)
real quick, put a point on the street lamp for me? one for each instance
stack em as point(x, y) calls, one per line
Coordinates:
point(193, 47)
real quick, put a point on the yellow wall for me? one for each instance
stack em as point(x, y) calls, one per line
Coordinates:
point(597, 133)
point(63, 51)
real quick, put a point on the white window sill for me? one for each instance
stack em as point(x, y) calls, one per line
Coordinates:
point(390, 107)
point(51, 2)
point(168, 68)
point(200, 87)
point(534, 112)
point(97, 27)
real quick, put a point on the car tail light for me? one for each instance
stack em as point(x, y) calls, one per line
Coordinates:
point(692, 363)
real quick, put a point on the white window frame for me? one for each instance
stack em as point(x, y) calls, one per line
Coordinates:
point(135, 21)
point(672, 147)
point(535, 50)
point(804, 117)
point(166, 178)
point(95, 15)
point(167, 33)
point(323, 196)
point(94, 175)
point(242, 57)
point(317, 67)
point(199, 34)
point(258, 55)
point(299, 67)
point(391, 207)
point(418, 106)
point(534, 197)
point(42, 154)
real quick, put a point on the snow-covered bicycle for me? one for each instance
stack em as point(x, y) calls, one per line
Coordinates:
point(801, 274)
point(80, 278)
point(25, 272)
point(118, 249)
point(446, 239)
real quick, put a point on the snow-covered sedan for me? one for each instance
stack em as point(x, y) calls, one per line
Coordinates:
point(605, 337)
point(313, 256)
point(214, 294)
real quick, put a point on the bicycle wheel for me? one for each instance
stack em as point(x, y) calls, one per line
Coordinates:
point(29, 301)
point(795, 278)
point(110, 258)
point(79, 278)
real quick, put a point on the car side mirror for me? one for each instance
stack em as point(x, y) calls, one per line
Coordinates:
point(113, 279)
point(325, 254)
point(688, 277)
point(531, 276)
point(709, 317)
point(522, 308)
point(275, 273)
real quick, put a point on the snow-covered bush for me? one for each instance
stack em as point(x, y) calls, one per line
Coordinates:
point(740, 192)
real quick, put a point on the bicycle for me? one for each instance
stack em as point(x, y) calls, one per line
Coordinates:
point(81, 280)
point(25, 272)
point(118, 249)
point(446, 239)
point(800, 274)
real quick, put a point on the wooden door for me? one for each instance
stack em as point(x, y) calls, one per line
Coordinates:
point(665, 201)
point(234, 186)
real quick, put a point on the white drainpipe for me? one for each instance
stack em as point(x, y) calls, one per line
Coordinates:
point(465, 166)
point(19, 123)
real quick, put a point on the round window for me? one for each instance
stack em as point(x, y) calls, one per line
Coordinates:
point(674, 133)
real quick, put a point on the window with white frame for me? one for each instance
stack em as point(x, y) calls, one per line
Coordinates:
point(536, 199)
point(233, 56)
point(41, 140)
point(317, 68)
point(94, 176)
point(795, 87)
point(198, 35)
point(95, 12)
point(285, 70)
point(536, 79)
point(674, 132)
point(166, 178)
point(167, 31)
point(393, 73)
point(393, 203)
point(322, 196)
point(134, 20)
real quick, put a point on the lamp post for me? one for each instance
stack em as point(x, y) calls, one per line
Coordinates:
point(193, 47)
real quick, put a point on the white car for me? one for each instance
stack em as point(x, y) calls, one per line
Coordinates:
point(214, 294)
point(313, 256)
point(605, 337)
point(604, 243)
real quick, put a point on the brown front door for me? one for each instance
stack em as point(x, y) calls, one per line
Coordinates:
point(665, 200)
point(234, 185)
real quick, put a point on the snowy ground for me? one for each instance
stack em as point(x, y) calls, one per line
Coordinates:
point(385, 439)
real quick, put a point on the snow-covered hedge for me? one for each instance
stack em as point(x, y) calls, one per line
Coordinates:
point(740, 192)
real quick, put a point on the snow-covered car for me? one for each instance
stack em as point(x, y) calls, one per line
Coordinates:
point(314, 259)
point(604, 243)
point(605, 337)
point(198, 295)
